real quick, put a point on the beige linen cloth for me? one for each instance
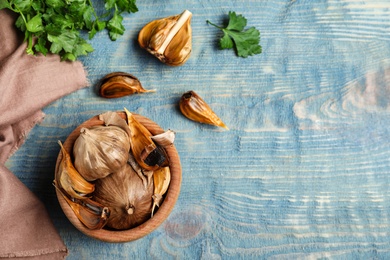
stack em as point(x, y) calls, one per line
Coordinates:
point(27, 84)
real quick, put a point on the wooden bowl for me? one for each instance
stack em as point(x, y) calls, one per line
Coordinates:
point(163, 211)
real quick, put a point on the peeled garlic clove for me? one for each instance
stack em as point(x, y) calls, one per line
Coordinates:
point(120, 84)
point(164, 139)
point(70, 179)
point(124, 194)
point(195, 108)
point(100, 150)
point(169, 39)
point(161, 180)
point(147, 154)
point(92, 214)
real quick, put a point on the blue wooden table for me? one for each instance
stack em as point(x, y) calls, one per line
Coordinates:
point(304, 171)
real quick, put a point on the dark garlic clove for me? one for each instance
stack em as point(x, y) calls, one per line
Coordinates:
point(91, 213)
point(161, 180)
point(70, 180)
point(195, 108)
point(148, 155)
point(120, 84)
point(156, 157)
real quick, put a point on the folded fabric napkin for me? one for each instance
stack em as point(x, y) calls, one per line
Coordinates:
point(27, 84)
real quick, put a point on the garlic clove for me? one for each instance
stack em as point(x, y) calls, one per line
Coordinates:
point(120, 84)
point(164, 139)
point(195, 108)
point(92, 214)
point(169, 39)
point(147, 154)
point(161, 180)
point(156, 157)
point(70, 179)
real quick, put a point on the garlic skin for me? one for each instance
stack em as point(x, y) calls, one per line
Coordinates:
point(145, 175)
point(111, 118)
point(195, 108)
point(129, 202)
point(169, 39)
point(100, 150)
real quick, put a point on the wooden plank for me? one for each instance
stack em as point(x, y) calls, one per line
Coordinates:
point(303, 172)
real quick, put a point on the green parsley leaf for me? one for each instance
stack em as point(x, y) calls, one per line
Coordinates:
point(68, 56)
point(55, 26)
point(87, 15)
point(35, 24)
point(115, 26)
point(97, 26)
point(20, 24)
point(100, 25)
point(246, 42)
point(127, 5)
point(37, 5)
point(60, 21)
point(236, 22)
point(109, 4)
point(41, 46)
point(55, 4)
point(226, 42)
point(83, 48)
point(4, 4)
point(22, 5)
point(65, 41)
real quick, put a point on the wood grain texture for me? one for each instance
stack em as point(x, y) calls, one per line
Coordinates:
point(303, 171)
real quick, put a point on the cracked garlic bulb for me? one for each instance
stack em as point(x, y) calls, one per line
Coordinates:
point(100, 150)
point(169, 39)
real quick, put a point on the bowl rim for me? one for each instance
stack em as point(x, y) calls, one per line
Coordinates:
point(170, 197)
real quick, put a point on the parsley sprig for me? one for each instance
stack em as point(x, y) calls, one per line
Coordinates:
point(246, 42)
point(57, 24)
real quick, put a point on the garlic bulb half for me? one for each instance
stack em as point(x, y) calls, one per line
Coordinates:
point(169, 39)
point(100, 150)
point(123, 192)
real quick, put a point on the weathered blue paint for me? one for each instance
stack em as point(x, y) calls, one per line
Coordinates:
point(303, 171)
